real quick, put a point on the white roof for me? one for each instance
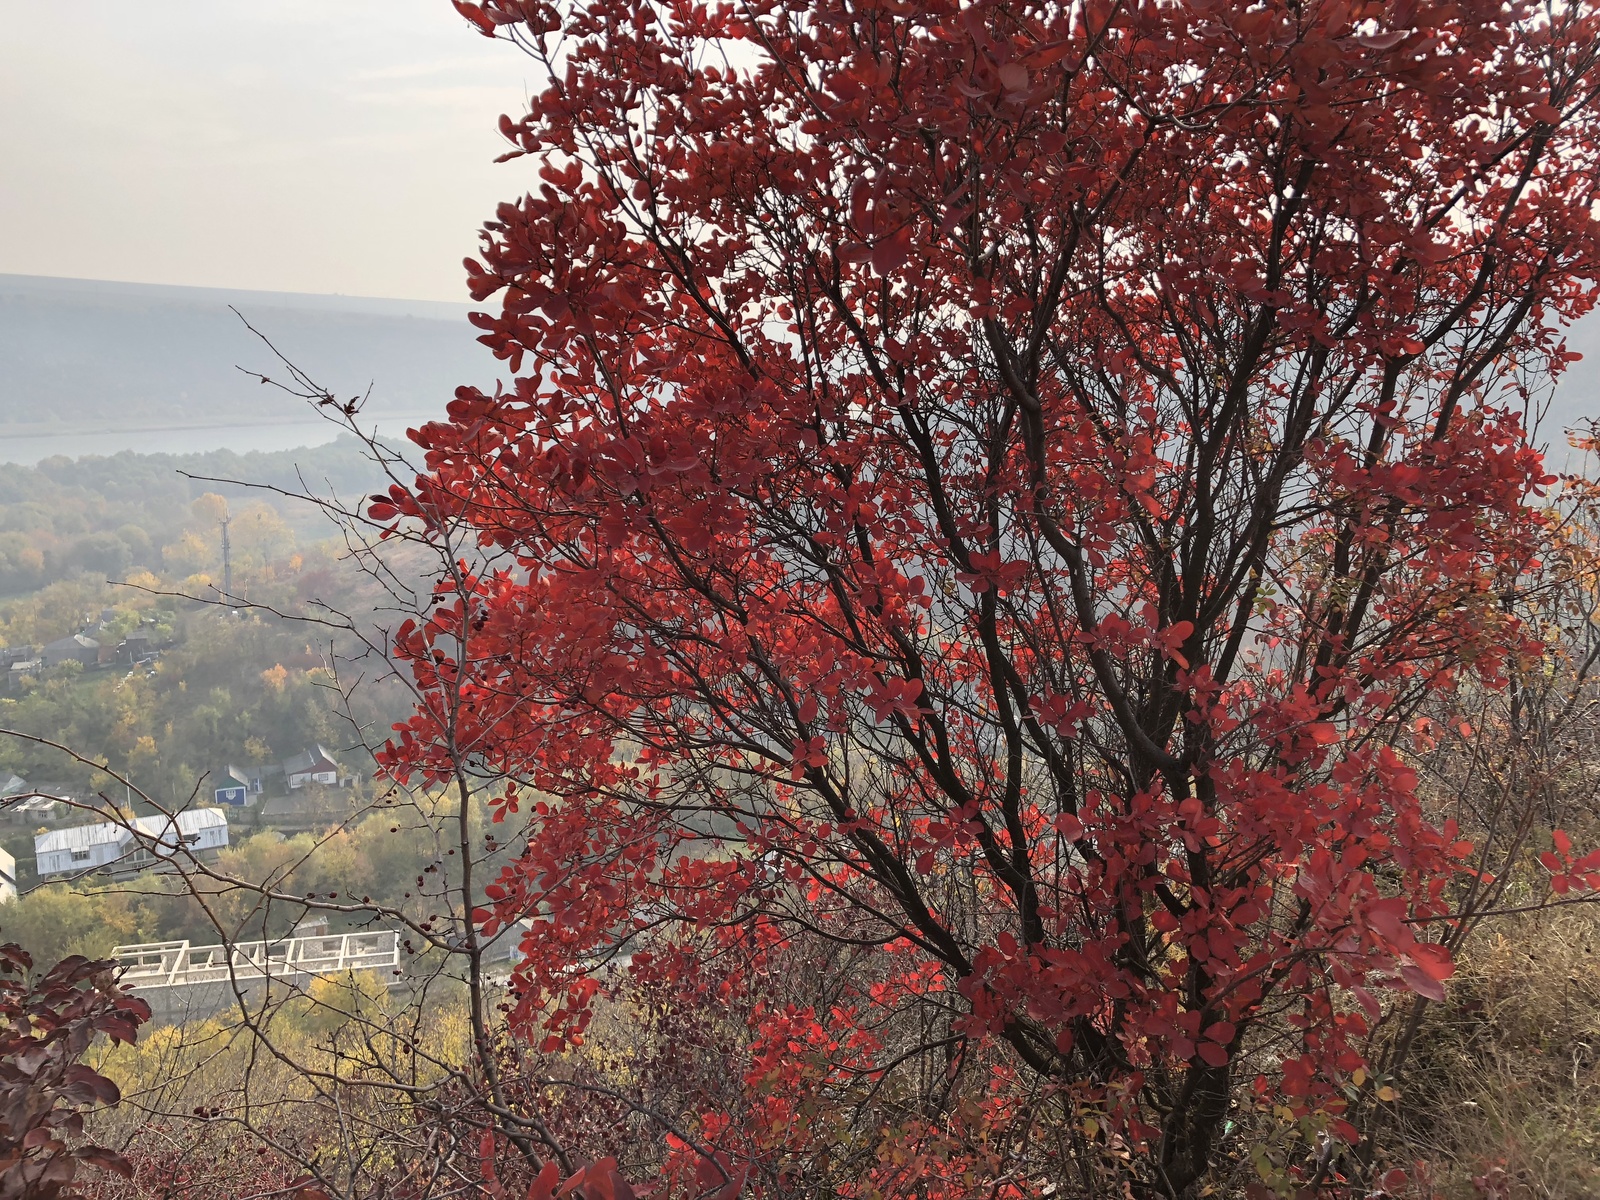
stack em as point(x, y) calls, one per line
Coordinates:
point(189, 821)
point(81, 837)
point(77, 837)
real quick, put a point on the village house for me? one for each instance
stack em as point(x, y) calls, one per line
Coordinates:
point(239, 786)
point(47, 800)
point(34, 809)
point(26, 803)
point(80, 647)
point(16, 654)
point(11, 678)
point(135, 648)
point(8, 877)
point(125, 848)
point(310, 766)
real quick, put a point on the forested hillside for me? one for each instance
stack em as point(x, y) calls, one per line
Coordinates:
point(130, 546)
point(103, 517)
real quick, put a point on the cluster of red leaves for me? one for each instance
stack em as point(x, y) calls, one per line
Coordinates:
point(47, 1022)
point(1569, 872)
point(992, 482)
point(712, 1180)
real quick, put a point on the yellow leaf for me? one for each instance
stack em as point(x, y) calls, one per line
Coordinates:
point(1387, 1093)
point(1359, 1077)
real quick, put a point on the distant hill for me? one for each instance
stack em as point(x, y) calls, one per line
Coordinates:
point(1577, 397)
point(117, 356)
point(76, 352)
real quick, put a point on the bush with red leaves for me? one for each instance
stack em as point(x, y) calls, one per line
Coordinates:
point(47, 1022)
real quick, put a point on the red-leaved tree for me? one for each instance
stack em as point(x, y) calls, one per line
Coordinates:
point(986, 488)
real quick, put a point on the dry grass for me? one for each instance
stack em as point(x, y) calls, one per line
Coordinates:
point(1502, 1099)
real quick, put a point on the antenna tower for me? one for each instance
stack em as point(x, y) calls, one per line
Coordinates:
point(227, 559)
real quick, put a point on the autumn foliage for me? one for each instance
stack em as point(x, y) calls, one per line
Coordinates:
point(986, 490)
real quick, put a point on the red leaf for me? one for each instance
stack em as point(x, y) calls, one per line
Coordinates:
point(1014, 77)
point(1069, 827)
point(1433, 959)
point(475, 14)
point(544, 1185)
point(1422, 982)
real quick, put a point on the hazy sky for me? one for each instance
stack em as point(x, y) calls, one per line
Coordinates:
point(292, 145)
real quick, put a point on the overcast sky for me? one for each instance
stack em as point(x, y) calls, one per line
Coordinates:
point(291, 145)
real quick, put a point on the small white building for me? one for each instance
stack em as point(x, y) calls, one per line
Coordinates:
point(128, 848)
point(8, 878)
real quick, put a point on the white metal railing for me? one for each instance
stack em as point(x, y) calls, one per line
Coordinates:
point(173, 964)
